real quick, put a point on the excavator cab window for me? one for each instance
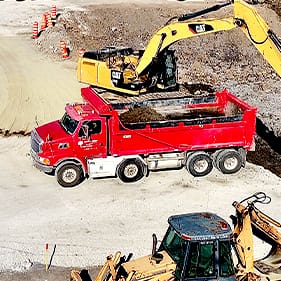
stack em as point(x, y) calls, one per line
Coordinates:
point(225, 259)
point(200, 261)
point(168, 70)
point(174, 245)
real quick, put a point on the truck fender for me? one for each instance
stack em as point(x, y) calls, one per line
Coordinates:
point(70, 161)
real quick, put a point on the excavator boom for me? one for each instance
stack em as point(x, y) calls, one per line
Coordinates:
point(250, 220)
point(154, 69)
point(245, 17)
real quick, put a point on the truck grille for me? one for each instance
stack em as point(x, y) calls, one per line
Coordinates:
point(35, 141)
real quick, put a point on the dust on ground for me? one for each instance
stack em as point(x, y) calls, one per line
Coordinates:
point(40, 272)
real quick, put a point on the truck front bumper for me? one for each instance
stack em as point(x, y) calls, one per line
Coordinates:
point(38, 165)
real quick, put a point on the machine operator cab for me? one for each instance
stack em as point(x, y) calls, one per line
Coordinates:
point(200, 245)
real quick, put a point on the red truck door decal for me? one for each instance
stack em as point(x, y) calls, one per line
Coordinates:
point(91, 140)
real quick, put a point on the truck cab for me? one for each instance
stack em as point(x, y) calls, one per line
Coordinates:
point(63, 146)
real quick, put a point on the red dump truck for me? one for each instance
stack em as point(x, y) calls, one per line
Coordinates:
point(98, 138)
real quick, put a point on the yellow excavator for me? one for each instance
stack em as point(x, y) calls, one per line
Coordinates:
point(154, 69)
point(202, 246)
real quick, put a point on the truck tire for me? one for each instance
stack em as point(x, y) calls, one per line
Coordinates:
point(229, 161)
point(199, 164)
point(69, 175)
point(131, 170)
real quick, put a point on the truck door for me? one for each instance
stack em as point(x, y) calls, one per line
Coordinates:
point(92, 139)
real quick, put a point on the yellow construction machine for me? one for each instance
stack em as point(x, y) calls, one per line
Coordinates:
point(154, 69)
point(202, 246)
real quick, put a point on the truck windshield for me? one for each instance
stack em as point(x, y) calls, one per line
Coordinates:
point(174, 245)
point(68, 123)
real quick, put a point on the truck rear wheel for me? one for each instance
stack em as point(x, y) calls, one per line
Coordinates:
point(229, 161)
point(131, 170)
point(199, 164)
point(69, 175)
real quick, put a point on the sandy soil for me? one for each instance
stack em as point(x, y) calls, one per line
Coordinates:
point(83, 225)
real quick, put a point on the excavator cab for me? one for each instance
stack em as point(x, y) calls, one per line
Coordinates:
point(200, 244)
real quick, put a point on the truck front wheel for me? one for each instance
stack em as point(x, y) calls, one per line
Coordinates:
point(131, 170)
point(229, 161)
point(69, 175)
point(199, 164)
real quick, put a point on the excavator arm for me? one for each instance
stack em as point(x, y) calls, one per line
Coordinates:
point(245, 17)
point(248, 221)
point(155, 69)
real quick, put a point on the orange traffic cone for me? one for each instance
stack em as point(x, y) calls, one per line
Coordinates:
point(44, 22)
point(35, 30)
point(49, 20)
point(54, 12)
point(63, 49)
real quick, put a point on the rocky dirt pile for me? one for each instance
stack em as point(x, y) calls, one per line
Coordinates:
point(275, 5)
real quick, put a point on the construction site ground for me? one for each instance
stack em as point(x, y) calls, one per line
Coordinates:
point(83, 225)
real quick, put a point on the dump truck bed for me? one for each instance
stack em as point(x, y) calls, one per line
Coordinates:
point(206, 122)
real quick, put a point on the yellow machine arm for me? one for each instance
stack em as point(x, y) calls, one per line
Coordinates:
point(245, 17)
point(251, 220)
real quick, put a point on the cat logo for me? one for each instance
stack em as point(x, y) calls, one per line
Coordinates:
point(200, 28)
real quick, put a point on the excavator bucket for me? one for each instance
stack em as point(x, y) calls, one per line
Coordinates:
point(271, 264)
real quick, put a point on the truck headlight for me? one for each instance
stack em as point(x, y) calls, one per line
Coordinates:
point(44, 161)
